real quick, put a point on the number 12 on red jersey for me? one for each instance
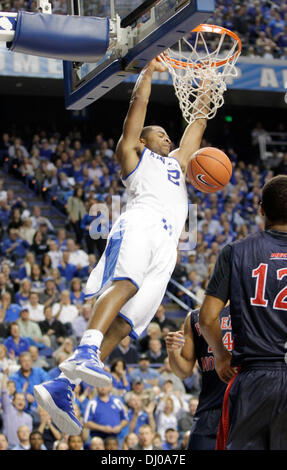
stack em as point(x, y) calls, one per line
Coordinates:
point(261, 275)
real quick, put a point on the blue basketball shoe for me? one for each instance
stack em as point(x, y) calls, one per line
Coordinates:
point(85, 364)
point(57, 398)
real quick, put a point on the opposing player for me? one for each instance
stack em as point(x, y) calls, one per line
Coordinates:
point(131, 277)
point(252, 273)
point(184, 349)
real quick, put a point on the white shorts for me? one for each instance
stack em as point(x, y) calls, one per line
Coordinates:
point(141, 249)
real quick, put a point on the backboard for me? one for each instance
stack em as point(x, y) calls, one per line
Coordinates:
point(139, 31)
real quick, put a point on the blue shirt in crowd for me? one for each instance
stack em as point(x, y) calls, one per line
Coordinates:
point(20, 248)
point(36, 377)
point(18, 348)
point(109, 413)
point(12, 313)
point(142, 419)
point(68, 272)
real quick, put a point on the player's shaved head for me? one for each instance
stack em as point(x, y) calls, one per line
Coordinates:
point(274, 199)
point(146, 130)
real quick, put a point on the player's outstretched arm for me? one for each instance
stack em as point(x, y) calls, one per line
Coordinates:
point(129, 147)
point(180, 349)
point(209, 323)
point(192, 136)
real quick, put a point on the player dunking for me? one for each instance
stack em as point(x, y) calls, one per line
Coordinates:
point(252, 273)
point(131, 277)
point(184, 349)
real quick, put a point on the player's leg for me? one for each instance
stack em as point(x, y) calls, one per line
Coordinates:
point(251, 407)
point(117, 277)
point(139, 311)
point(107, 306)
point(278, 424)
point(85, 363)
point(118, 330)
point(122, 267)
point(204, 428)
point(55, 396)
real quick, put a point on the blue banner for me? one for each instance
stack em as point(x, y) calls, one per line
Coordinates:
point(267, 76)
point(253, 74)
point(14, 64)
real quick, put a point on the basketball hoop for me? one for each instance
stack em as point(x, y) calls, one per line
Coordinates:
point(200, 64)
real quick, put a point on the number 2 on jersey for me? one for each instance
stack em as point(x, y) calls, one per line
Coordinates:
point(260, 273)
point(173, 176)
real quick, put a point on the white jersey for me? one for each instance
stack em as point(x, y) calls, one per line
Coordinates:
point(157, 184)
point(142, 244)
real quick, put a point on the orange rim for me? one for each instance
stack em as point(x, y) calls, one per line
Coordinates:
point(207, 28)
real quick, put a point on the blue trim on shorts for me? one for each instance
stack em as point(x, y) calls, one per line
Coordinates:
point(125, 279)
point(90, 295)
point(111, 253)
point(126, 177)
point(132, 333)
point(115, 279)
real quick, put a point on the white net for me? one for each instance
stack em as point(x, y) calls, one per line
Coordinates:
point(199, 65)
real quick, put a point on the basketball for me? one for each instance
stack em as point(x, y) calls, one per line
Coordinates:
point(209, 169)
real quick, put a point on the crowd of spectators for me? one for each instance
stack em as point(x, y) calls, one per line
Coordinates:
point(43, 312)
point(261, 24)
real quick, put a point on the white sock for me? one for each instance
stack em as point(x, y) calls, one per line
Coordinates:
point(93, 338)
point(74, 382)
